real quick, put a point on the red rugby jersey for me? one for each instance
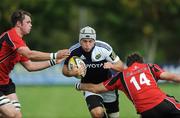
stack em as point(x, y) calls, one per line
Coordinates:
point(139, 83)
point(9, 43)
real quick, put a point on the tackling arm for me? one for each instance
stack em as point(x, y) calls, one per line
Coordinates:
point(40, 56)
point(118, 66)
point(95, 88)
point(40, 65)
point(35, 66)
point(170, 76)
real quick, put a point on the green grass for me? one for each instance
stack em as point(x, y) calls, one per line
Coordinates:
point(66, 102)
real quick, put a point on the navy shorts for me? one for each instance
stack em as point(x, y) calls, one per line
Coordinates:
point(7, 89)
point(94, 101)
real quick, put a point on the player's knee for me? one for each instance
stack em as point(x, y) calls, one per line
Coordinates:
point(14, 115)
point(18, 114)
point(10, 115)
point(114, 115)
point(97, 112)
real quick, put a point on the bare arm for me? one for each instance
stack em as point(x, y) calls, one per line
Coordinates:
point(40, 56)
point(35, 66)
point(118, 66)
point(40, 65)
point(170, 76)
point(74, 72)
point(95, 88)
point(66, 71)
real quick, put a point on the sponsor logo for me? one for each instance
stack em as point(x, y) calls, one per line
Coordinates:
point(83, 57)
point(94, 65)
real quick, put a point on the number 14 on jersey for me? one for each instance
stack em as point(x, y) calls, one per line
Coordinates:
point(142, 80)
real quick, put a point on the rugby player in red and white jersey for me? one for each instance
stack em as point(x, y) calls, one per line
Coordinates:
point(139, 83)
point(13, 49)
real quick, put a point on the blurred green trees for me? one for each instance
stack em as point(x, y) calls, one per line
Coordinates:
point(149, 26)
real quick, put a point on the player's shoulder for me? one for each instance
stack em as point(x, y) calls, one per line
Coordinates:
point(103, 45)
point(8, 34)
point(152, 65)
point(74, 47)
point(155, 67)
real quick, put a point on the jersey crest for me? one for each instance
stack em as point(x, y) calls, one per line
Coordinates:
point(98, 56)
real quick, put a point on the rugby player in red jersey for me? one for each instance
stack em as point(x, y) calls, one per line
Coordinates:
point(139, 83)
point(13, 49)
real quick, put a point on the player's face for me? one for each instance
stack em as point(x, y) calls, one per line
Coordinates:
point(87, 44)
point(26, 25)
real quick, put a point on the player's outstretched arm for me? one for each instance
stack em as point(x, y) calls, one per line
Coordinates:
point(170, 76)
point(64, 53)
point(95, 88)
point(41, 56)
point(118, 66)
point(40, 65)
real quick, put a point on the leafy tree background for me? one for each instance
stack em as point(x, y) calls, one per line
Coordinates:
point(149, 26)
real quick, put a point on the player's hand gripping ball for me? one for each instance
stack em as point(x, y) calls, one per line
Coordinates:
point(79, 63)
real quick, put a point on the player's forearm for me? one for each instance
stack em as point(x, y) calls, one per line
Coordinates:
point(36, 66)
point(95, 88)
point(118, 66)
point(38, 56)
point(88, 87)
point(40, 65)
point(177, 78)
point(67, 72)
point(32, 54)
point(42, 56)
point(170, 76)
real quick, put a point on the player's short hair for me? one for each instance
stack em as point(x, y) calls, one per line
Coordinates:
point(134, 57)
point(18, 15)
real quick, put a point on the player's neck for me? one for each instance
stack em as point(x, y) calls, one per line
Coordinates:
point(19, 32)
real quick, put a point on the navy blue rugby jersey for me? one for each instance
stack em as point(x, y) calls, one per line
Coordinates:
point(94, 60)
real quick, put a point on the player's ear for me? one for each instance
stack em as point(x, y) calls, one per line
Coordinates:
point(18, 24)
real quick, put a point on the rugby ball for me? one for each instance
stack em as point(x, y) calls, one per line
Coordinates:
point(77, 61)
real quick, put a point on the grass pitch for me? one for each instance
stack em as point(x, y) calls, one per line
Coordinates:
point(66, 102)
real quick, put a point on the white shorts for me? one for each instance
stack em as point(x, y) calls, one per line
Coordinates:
point(108, 97)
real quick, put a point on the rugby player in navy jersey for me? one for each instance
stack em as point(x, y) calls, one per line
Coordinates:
point(139, 83)
point(99, 58)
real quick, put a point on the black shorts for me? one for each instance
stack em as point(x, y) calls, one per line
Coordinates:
point(96, 101)
point(7, 89)
point(168, 108)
